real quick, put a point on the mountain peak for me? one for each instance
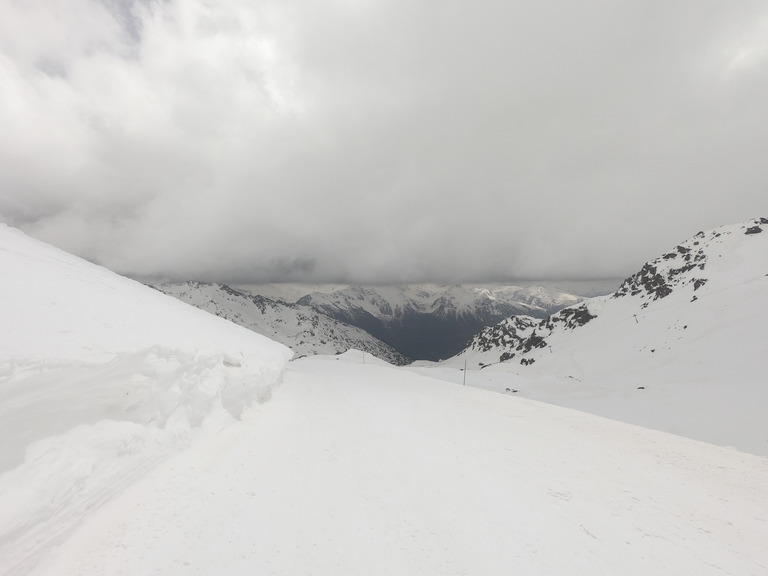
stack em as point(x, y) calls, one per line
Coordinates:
point(686, 264)
point(708, 262)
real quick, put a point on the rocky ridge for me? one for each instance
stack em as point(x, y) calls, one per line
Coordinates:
point(300, 327)
point(681, 271)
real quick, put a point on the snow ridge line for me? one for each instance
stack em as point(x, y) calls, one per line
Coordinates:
point(631, 320)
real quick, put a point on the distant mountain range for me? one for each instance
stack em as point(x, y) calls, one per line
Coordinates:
point(431, 321)
point(394, 323)
point(299, 327)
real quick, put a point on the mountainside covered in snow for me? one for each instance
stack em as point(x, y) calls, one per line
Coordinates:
point(101, 378)
point(299, 327)
point(681, 344)
point(131, 444)
point(432, 321)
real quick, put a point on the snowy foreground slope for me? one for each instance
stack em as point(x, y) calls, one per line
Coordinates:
point(100, 379)
point(681, 346)
point(301, 328)
point(368, 469)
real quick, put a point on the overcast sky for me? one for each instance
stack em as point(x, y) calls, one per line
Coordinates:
point(380, 140)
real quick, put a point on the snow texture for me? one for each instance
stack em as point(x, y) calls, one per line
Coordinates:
point(101, 378)
point(359, 468)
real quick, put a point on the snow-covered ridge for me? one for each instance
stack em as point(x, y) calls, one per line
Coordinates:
point(299, 327)
point(686, 263)
point(388, 302)
point(100, 379)
point(680, 346)
point(717, 256)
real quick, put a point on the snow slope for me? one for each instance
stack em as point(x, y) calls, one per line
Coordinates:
point(101, 378)
point(367, 469)
point(680, 346)
point(301, 328)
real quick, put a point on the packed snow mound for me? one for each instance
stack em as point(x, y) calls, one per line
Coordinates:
point(680, 346)
point(100, 379)
point(299, 327)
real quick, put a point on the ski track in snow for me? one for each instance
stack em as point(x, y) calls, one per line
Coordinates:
point(367, 469)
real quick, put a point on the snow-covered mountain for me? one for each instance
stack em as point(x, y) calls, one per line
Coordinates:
point(102, 378)
point(433, 321)
point(680, 346)
point(299, 327)
point(131, 445)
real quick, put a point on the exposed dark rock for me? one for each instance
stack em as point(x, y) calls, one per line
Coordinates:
point(573, 317)
point(533, 341)
point(648, 281)
point(698, 283)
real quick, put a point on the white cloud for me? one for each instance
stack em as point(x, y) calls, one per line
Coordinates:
point(379, 140)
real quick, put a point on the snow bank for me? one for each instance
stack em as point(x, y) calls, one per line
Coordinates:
point(380, 471)
point(100, 379)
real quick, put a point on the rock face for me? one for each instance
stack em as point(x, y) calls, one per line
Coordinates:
point(433, 322)
point(299, 327)
point(517, 336)
point(685, 272)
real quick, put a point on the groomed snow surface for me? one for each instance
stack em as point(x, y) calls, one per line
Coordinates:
point(141, 436)
point(355, 468)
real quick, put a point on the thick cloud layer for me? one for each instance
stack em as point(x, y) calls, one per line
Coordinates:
point(378, 141)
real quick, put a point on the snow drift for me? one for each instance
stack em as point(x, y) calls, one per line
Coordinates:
point(100, 379)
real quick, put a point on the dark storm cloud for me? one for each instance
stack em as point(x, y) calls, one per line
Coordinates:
point(380, 141)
